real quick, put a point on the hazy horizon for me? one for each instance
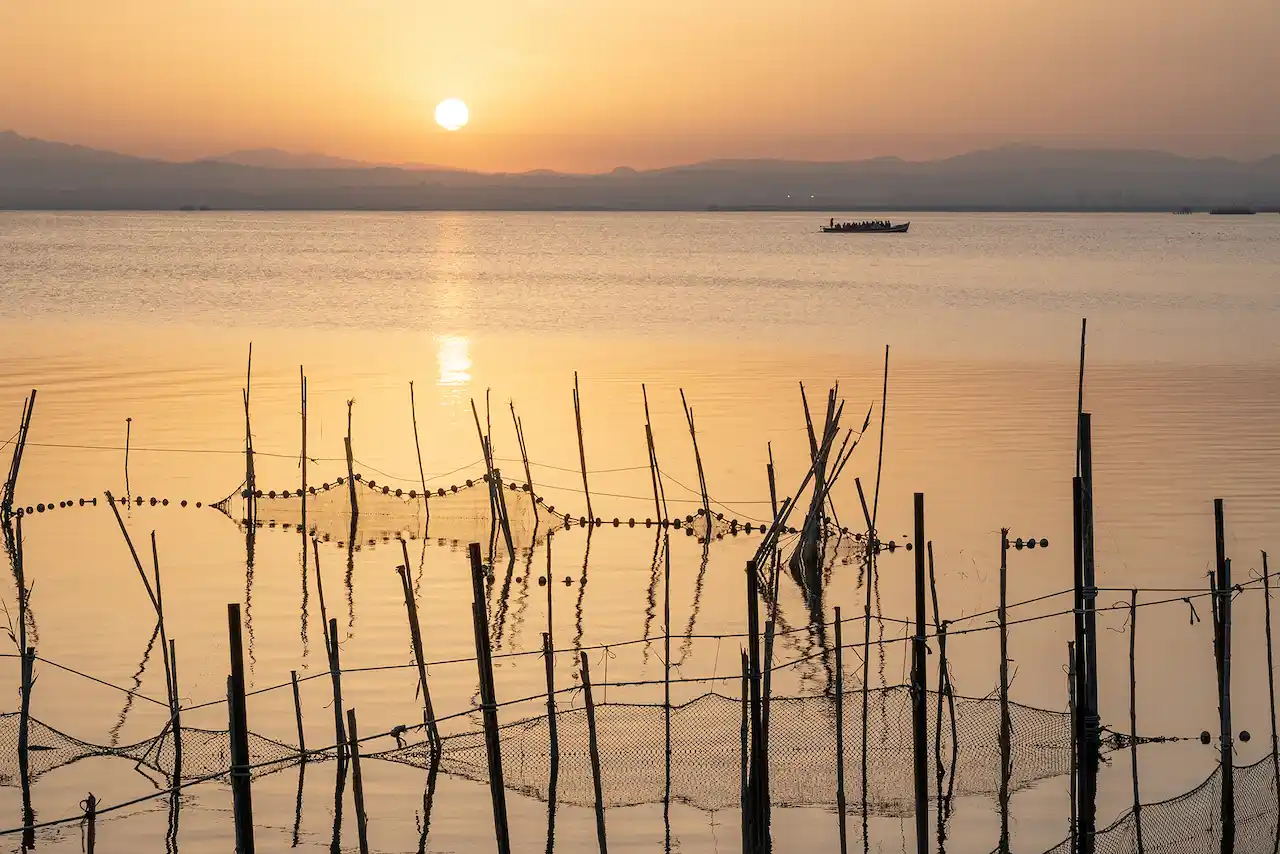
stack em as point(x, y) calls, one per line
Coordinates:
point(582, 88)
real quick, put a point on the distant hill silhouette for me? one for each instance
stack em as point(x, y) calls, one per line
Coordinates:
point(36, 174)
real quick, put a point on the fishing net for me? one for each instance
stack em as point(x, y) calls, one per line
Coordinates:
point(1192, 822)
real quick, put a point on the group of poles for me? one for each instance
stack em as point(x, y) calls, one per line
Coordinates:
point(756, 657)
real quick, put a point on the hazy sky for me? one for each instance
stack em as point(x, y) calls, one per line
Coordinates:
point(588, 85)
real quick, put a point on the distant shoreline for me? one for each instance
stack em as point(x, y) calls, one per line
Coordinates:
point(824, 211)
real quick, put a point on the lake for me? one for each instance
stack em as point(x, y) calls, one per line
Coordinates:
point(140, 323)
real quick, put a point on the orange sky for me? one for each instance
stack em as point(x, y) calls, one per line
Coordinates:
point(589, 85)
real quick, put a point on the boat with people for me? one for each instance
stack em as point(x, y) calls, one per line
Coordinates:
point(868, 226)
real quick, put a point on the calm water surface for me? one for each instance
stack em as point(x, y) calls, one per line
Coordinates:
point(149, 317)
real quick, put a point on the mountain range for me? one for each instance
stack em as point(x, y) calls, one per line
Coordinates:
point(38, 174)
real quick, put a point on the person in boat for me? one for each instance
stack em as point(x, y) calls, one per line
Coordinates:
point(833, 222)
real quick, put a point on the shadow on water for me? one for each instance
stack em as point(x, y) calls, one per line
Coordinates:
point(582, 593)
point(306, 644)
point(651, 605)
point(297, 807)
point(339, 786)
point(428, 800)
point(250, 542)
point(171, 832)
point(348, 579)
point(137, 684)
point(687, 646)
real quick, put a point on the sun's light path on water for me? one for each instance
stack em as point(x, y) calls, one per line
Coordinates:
point(452, 114)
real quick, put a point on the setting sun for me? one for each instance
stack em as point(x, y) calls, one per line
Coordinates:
point(452, 114)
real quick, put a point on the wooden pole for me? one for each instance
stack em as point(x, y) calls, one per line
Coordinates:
point(1075, 754)
point(594, 748)
point(171, 687)
point(745, 790)
point(351, 485)
point(1082, 835)
point(488, 700)
point(176, 712)
point(1224, 596)
point(1271, 693)
point(666, 669)
point(840, 794)
point(302, 382)
point(582, 450)
point(1006, 751)
point(90, 823)
point(757, 722)
point(919, 692)
point(872, 545)
point(250, 478)
point(330, 630)
point(24, 747)
point(549, 661)
point(422, 477)
point(240, 779)
point(128, 430)
point(335, 675)
point(415, 634)
point(1133, 717)
point(357, 787)
point(1092, 721)
point(654, 472)
point(297, 711)
point(766, 688)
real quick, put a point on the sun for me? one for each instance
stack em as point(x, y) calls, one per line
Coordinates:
point(452, 114)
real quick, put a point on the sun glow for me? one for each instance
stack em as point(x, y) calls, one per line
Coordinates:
point(452, 114)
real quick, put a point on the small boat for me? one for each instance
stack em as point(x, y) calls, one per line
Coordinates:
point(866, 228)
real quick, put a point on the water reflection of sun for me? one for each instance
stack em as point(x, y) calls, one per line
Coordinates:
point(454, 359)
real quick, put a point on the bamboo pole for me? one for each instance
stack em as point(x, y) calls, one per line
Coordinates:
point(524, 458)
point(1271, 693)
point(1006, 751)
point(297, 711)
point(166, 647)
point(1133, 717)
point(659, 497)
point(488, 700)
point(697, 458)
point(1092, 721)
point(582, 450)
point(1082, 836)
point(593, 747)
point(417, 447)
point(302, 390)
point(351, 484)
point(240, 780)
point(872, 545)
point(766, 681)
point(415, 634)
point(549, 661)
point(15, 463)
point(24, 746)
point(839, 698)
point(357, 787)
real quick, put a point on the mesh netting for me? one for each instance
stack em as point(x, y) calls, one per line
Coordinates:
point(204, 752)
point(1192, 822)
point(705, 744)
point(705, 751)
point(459, 513)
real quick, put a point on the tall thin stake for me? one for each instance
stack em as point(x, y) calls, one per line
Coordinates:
point(1133, 717)
point(357, 788)
point(297, 711)
point(582, 449)
point(697, 458)
point(90, 823)
point(1271, 693)
point(1224, 595)
point(240, 779)
point(839, 698)
point(250, 478)
point(1075, 754)
point(524, 458)
point(488, 700)
point(593, 747)
point(1006, 746)
point(351, 474)
point(659, 498)
point(330, 630)
point(919, 692)
point(128, 429)
point(422, 477)
point(415, 634)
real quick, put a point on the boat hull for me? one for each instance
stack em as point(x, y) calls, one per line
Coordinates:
point(893, 229)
